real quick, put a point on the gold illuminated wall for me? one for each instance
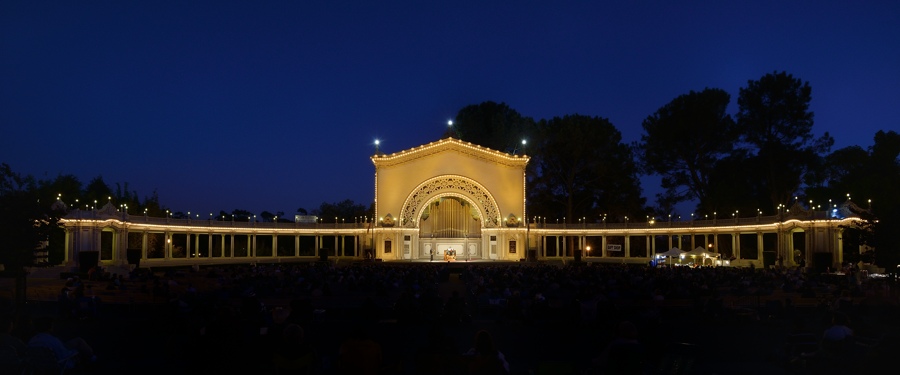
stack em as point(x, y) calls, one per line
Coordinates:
point(499, 175)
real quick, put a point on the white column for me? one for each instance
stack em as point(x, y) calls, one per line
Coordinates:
point(67, 256)
point(602, 250)
point(759, 247)
point(735, 245)
point(626, 247)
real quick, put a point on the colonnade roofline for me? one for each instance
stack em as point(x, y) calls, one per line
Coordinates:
point(765, 222)
point(141, 222)
point(155, 223)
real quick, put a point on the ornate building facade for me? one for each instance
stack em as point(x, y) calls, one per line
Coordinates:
point(453, 200)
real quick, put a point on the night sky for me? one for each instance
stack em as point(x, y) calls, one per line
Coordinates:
point(226, 105)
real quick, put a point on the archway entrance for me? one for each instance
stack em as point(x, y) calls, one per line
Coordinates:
point(450, 227)
point(449, 212)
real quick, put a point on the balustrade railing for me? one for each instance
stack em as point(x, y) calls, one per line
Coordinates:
point(714, 222)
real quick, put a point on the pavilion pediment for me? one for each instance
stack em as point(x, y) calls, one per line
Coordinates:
point(491, 181)
point(451, 145)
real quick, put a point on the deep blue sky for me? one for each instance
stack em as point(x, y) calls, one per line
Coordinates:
point(231, 104)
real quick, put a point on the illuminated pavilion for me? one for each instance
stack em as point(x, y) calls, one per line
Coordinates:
point(456, 201)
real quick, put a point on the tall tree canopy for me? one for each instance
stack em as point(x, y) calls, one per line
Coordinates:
point(868, 176)
point(346, 210)
point(775, 122)
point(97, 191)
point(583, 170)
point(492, 125)
point(682, 142)
point(27, 219)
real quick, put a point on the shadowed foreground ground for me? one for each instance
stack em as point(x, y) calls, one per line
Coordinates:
point(154, 338)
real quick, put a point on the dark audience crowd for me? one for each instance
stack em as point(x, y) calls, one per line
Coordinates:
point(255, 318)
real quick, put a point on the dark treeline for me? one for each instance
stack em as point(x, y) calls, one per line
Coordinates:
point(763, 158)
point(346, 211)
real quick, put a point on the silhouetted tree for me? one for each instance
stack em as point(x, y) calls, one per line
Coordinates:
point(583, 170)
point(346, 209)
point(682, 142)
point(26, 221)
point(865, 175)
point(492, 125)
point(128, 197)
point(97, 193)
point(152, 206)
point(66, 189)
point(241, 215)
point(774, 120)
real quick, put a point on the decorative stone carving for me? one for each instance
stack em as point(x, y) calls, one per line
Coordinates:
point(450, 185)
point(388, 221)
point(512, 221)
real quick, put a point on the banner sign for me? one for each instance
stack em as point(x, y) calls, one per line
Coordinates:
point(613, 247)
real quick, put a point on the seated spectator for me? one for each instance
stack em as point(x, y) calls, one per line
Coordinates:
point(121, 283)
point(844, 303)
point(439, 355)
point(625, 354)
point(454, 309)
point(294, 355)
point(838, 332)
point(7, 338)
point(76, 350)
point(359, 354)
point(65, 302)
point(484, 358)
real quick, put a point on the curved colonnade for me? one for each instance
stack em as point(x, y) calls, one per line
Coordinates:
point(476, 200)
point(119, 239)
